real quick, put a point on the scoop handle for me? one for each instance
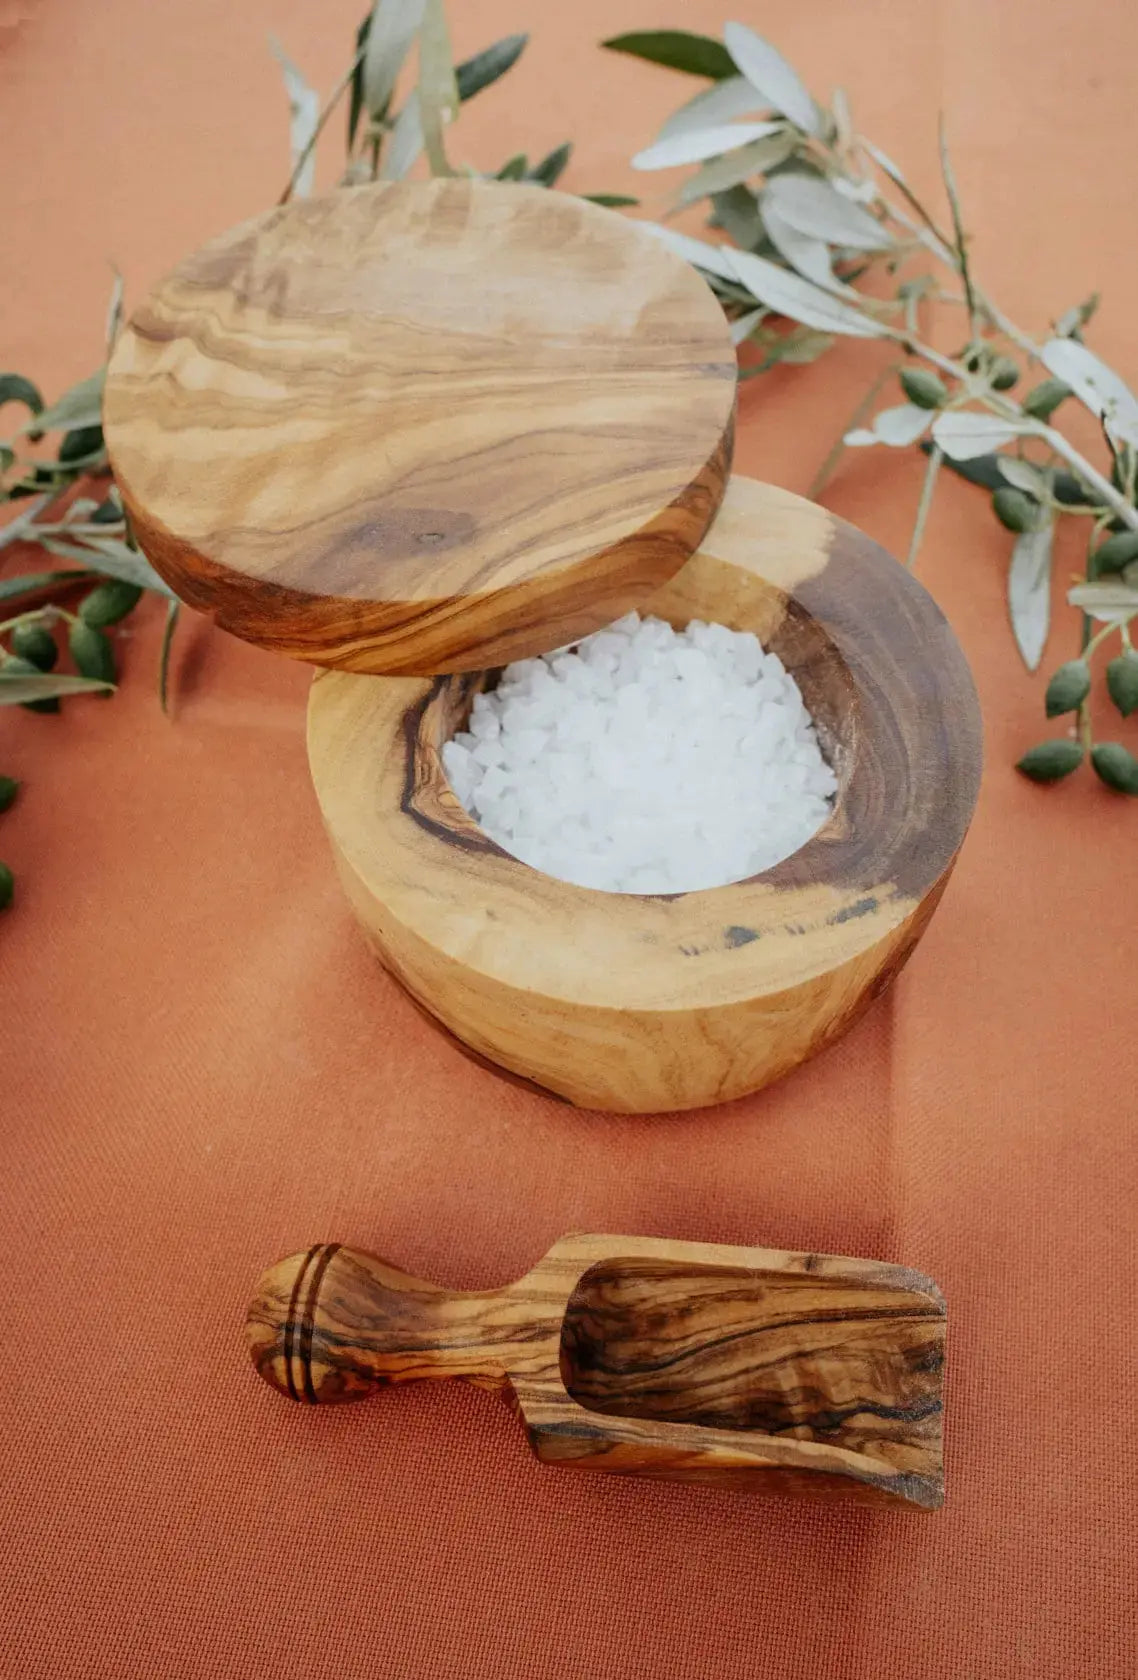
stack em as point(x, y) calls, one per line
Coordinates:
point(333, 1324)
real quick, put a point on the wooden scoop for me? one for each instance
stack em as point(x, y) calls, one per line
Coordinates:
point(784, 1373)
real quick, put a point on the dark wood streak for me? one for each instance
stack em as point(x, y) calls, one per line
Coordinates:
point(308, 1323)
point(736, 936)
point(783, 1372)
point(913, 750)
point(428, 798)
point(341, 451)
point(292, 1319)
point(733, 1351)
point(863, 907)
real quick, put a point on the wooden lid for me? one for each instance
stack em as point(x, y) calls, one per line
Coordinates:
point(423, 427)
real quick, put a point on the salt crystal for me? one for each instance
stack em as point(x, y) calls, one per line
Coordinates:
point(485, 725)
point(484, 753)
point(645, 760)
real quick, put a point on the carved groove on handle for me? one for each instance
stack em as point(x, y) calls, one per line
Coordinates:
point(299, 1328)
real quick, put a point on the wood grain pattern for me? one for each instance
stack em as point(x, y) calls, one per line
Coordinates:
point(423, 427)
point(646, 1003)
point(800, 1373)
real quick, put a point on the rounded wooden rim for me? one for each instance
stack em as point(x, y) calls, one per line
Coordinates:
point(904, 731)
point(423, 426)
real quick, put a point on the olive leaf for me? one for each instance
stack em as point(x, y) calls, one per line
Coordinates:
point(80, 406)
point(796, 349)
point(801, 348)
point(815, 208)
point(485, 67)
point(304, 114)
point(607, 201)
point(23, 687)
point(1029, 592)
point(770, 74)
point(807, 256)
point(897, 426)
point(550, 170)
point(713, 259)
point(1109, 602)
point(15, 388)
point(964, 432)
point(884, 162)
point(113, 559)
point(744, 326)
point(1022, 475)
point(720, 103)
point(695, 146)
point(676, 49)
point(13, 665)
point(1072, 321)
point(391, 28)
point(356, 95)
point(843, 118)
point(405, 141)
point(1097, 386)
point(438, 88)
point(736, 211)
point(735, 167)
point(790, 295)
point(985, 471)
point(172, 610)
point(960, 238)
point(38, 583)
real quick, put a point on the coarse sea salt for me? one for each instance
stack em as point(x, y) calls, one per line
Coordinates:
point(645, 759)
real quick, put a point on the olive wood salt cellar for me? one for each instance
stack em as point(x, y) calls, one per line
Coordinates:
point(412, 431)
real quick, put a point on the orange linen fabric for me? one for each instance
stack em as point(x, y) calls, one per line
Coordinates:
point(202, 1067)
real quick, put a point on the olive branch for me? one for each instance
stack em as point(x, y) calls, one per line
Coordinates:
point(807, 207)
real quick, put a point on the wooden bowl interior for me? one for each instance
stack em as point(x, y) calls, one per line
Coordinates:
point(726, 1348)
point(709, 589)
